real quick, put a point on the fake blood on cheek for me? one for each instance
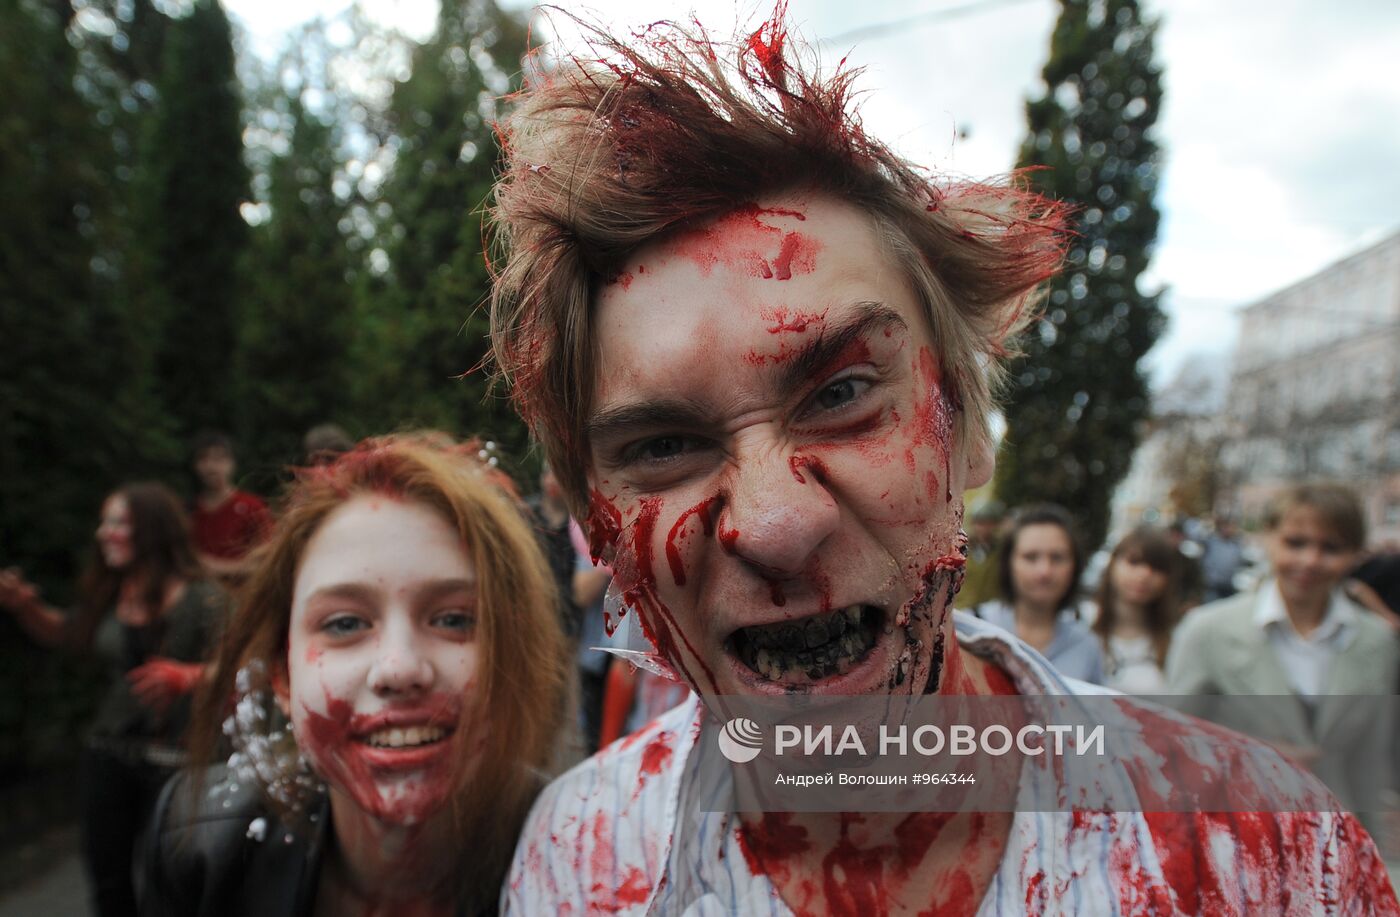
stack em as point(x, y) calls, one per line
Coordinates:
point(933, 422)
point(328, 738)
point(604, 524)
point(333, 742)
point(678, 532)
point(635, 577)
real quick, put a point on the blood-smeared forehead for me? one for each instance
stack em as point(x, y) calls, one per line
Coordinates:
point(767, 243)
point(741, 291)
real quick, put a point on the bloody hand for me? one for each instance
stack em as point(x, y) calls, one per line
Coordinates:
point(17, 595)
point(159, 681)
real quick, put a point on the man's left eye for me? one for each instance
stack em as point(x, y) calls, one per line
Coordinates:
point(840, 393)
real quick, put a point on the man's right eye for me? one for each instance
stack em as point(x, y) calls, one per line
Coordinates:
point(663, 447)
point(658, 449)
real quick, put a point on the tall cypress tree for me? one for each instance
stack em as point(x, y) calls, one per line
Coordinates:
point(119, 65)
point(196, 181)
point(1078, 395)
point(419, 326)
point(57, 369)
point(59, 437)
point(292, 365)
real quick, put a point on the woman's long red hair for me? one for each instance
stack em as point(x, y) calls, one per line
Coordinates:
point(521, 691)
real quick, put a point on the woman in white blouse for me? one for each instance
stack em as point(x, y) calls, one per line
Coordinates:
point(1138, 606)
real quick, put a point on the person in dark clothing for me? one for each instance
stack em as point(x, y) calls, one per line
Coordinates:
point(1377, 580)
point(398, 679)
point(149, 612)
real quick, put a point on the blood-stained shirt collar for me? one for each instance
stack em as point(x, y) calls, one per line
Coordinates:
point(636, 830)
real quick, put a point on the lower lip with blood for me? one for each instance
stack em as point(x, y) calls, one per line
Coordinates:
point(397, 765)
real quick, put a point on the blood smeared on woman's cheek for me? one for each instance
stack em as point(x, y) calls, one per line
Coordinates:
point(333, 739)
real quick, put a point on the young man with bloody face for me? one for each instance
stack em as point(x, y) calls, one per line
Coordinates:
point(758, 349)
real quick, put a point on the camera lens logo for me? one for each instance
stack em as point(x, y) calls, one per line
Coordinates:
point(740, 740)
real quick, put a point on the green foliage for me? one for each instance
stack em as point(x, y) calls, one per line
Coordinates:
point(291, 363)
point(419, 324)
point(196, 236)
point(139, 304)
point(57, 438)
point(1078, 396)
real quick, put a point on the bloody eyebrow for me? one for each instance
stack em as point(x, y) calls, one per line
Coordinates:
point(814, 359)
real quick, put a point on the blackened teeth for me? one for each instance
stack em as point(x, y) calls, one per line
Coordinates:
point(817, 647)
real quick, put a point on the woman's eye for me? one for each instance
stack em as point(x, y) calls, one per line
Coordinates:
point(344, 625)
point(457, 619)
point(840, 393)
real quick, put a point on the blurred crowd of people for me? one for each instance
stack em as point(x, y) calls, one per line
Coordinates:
point(1110, 619)
point(1303, 614)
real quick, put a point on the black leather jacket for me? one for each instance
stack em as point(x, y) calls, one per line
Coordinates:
point(208, 859)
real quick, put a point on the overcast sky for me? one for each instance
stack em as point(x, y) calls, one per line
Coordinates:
point(1280, 126)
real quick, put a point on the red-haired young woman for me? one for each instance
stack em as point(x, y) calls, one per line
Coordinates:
point(398, 672)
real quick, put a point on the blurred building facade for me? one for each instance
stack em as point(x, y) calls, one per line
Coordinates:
point(1315, 390)
point(1176, 470)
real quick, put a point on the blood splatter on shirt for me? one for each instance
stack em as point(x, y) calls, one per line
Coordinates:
point(597, 844)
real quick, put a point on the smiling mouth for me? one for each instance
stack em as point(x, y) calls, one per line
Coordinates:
point(809, 649)
point(409, 737)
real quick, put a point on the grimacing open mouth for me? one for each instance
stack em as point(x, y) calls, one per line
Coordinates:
point(825, 646)
point(809, 649)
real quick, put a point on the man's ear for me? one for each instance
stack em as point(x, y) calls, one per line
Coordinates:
point(981, 462)
point(281, 688)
